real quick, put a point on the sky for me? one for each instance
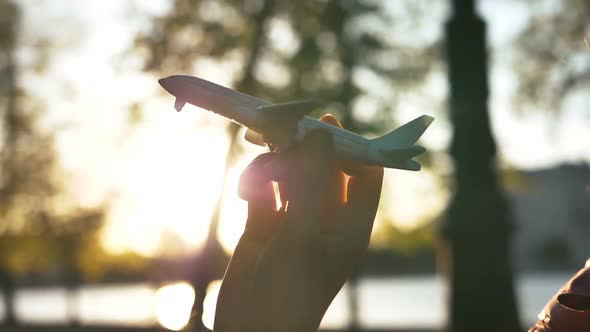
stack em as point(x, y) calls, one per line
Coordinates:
point(534, 139)
point(162, 175)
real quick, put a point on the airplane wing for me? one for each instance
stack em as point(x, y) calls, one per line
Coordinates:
point(287, 113)
point(279, 120)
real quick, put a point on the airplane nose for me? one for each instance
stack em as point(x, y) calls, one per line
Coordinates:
point(166, 83)
point(175, 85)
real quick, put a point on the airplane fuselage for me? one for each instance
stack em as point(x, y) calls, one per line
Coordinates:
point(347, 145)
point(247, 111)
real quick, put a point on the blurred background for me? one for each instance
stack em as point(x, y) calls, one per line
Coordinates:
point(119, 214)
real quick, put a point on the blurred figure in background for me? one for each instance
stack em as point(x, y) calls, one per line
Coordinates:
point(569, 309)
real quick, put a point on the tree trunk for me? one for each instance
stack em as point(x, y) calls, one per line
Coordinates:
point(9, 19)
point(478, 226)
point(8, 290)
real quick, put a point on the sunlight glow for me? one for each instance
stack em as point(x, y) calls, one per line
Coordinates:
point(115, 305)
point(413, 199)
point(210, 304)
point(166, 173)
point(173, 305)
point(235, 210)
point(169, 185)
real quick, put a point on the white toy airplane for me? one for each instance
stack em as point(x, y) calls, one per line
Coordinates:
point(280, 125)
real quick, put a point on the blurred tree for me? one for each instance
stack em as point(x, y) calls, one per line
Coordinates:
point(25, 161)
point(405, 242)
point(478, 224)
point(552, 55)
point(338, 51)
point(208, 29)
point(41, 229)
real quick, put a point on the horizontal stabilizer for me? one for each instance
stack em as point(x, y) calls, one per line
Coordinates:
point(410, 165)
point(405, 135)
point(402, 154)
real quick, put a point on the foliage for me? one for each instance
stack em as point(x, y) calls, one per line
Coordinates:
point(513, 180)
point(553, 52)
point(405, 241)
point(284, 50)
point(339, 51)
point(37, 234)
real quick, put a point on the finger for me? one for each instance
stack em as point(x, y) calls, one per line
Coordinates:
point(293, 251)
point(306, 184)
point(277, 170)
point(351, 168)
point(335, 185)
point(336, 193)
point(283, 192)
point(234, 294)
point(255, 186)
point(252, 185)
point(364, 192)
point(330, 119)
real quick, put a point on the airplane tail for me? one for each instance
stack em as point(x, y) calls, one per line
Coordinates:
point(404, 136)
point(397, 147)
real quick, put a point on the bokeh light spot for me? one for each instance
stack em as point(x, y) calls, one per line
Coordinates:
point(210, 303)
point(173, 305)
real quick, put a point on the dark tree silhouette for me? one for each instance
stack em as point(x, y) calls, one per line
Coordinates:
point(34, 236)
point(478, 226)
point(16, 184)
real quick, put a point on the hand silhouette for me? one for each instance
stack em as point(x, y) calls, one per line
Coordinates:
point(289, 264)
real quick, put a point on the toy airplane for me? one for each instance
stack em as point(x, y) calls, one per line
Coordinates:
point(278, 126)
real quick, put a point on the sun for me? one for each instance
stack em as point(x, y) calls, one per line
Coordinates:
point(169, 178)
point(170, 182)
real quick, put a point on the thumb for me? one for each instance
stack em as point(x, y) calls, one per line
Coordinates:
point(256, 187)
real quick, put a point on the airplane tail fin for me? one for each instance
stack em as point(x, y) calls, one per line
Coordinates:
point(397, 147)
point(404, 136)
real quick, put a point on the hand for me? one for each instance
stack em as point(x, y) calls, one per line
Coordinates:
point(569, 309)
point(289, 264)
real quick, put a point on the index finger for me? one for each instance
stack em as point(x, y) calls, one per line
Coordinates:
point(364, 190)
point(263, 220)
